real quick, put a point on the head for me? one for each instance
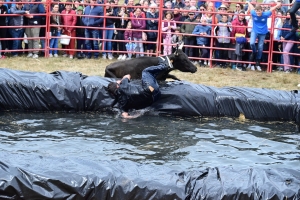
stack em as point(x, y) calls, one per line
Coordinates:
point(279, 13)
point(203, 20)
point(112, 88)
point(169, 15)
point(19, 4)
point(225, 18)
point(79, 10)
point(153, 7)
point(202, 8)
point(168, 5)
point(258, 10)
point(239, 7)
point(209, 14)
point(55, 8)
point(191, 15)
point(181, 61)
point(223, 9)
point(176, 10)
point(187, 3)
point(129, 25)
point(241, 15)
point(193, 3)
point(69, 5)
point(137, 11)
point(177, 30)
point(185, 12)
point(130, 2)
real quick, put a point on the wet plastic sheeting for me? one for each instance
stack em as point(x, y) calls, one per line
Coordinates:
point(71, 91)
point(57, 178)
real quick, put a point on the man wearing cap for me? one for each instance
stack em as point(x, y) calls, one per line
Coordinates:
point(259, 31)
point(222, 10)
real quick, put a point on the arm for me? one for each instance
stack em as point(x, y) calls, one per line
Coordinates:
point(13, 10)
point(99, 21)
point(174, 25)
point(250, 6)
point(127, 116)
point(74, 21)
point(196, 30)
point(275, 7)
point(163, 27)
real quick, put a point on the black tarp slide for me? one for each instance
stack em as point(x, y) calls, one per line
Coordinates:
point(62, 178)
point(26, 176)
point(72, 91)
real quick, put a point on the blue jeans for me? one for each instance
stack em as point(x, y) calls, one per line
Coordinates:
point(92, 33)
point(16, 43)
point(149, 79)
point(109, 36)
point(54, 43)
point(261, 39)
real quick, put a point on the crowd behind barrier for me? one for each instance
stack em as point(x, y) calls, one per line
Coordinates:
point(215, 34)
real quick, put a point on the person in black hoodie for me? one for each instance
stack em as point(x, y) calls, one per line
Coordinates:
point(80, 33)
point(3, 11)
point(121, 23)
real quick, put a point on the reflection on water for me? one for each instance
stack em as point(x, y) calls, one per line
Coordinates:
point(164, 140)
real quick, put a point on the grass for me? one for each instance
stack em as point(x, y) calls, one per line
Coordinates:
point(207, 76)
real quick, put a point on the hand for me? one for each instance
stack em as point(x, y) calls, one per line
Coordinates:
point(278, 4)
point(27, 12)
point(127, 76)
point(152, 21)
point(282, 38)
point(169, 27)
point(201, 33)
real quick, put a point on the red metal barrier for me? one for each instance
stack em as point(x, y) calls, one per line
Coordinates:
point(158, 43)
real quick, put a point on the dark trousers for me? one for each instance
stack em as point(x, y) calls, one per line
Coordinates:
point(80, 43)
point(293, 11)
point(276, 57)
point(3, 42)
point(223, 54)
point(120, 36)
point(149, 79)
point(19, 33)
point(189, 51)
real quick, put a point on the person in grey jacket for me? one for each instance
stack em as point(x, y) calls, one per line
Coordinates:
point(17, 32)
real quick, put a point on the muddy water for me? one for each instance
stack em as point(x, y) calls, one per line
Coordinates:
point(187, 143)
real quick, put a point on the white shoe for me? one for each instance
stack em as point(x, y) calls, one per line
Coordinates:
point(258, 68)
point(55, 55)
point(249, 66)
point(205, 63)
point(110, 57)
point(104, 57)
point(71, 57)
point(35, 56)
point(252, 68)
point(124, 57)
point(244, 65)
point(120, 57)
point(65, 55)
point(50, 56)
point(29, 55)
point(128, 58)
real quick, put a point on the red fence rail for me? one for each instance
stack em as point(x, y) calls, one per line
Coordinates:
point(48, 4)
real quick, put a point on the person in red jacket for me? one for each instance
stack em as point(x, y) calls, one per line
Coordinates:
point(239, 28)
point(139, 25)
point(69, 20)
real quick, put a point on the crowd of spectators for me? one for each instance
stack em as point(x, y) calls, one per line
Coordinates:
point(132, 30)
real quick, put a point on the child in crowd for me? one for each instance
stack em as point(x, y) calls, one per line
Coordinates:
point(203, 30)
point(55, 31)
point(128, 36)
point(167, 27)
point(80, 45)
point(177, 38)
point(223, 30)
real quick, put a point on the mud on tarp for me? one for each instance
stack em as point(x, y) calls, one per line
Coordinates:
point(62, 178)
point(72, 91)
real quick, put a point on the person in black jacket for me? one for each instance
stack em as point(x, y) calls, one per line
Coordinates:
point(133, 96)
point(80, 33)
point(3, 31)
point(121, 23)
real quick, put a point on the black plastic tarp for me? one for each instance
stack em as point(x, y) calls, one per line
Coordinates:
point(63, 178)
point(72, 91)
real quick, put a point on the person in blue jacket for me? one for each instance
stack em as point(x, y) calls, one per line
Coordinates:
point(92, 21)
point(203, 32)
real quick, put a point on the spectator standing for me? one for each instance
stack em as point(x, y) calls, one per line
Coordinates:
point(177, 38)
point(55, 31)
point(17, 21)
point(128, 36)
point(222, 30)
point(168, 26)
point(80, 43)
point(277, 32)
point(178, 3)
point(69, 20)
point(203, 31)
point(259, 30)
point(121, 23)
point(92, 21)
point(152, 24)
point(109, 31)
point(3, 32)
point(238, 8)
point(184, 15)
point(177, 14)
point(33, 44)
point(130, 8)
point(187, 4)
point(239, 29)
point(287, 37)
point(188, 28)
point(138, 24)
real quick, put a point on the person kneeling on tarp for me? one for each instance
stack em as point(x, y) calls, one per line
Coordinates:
point(132, 96)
